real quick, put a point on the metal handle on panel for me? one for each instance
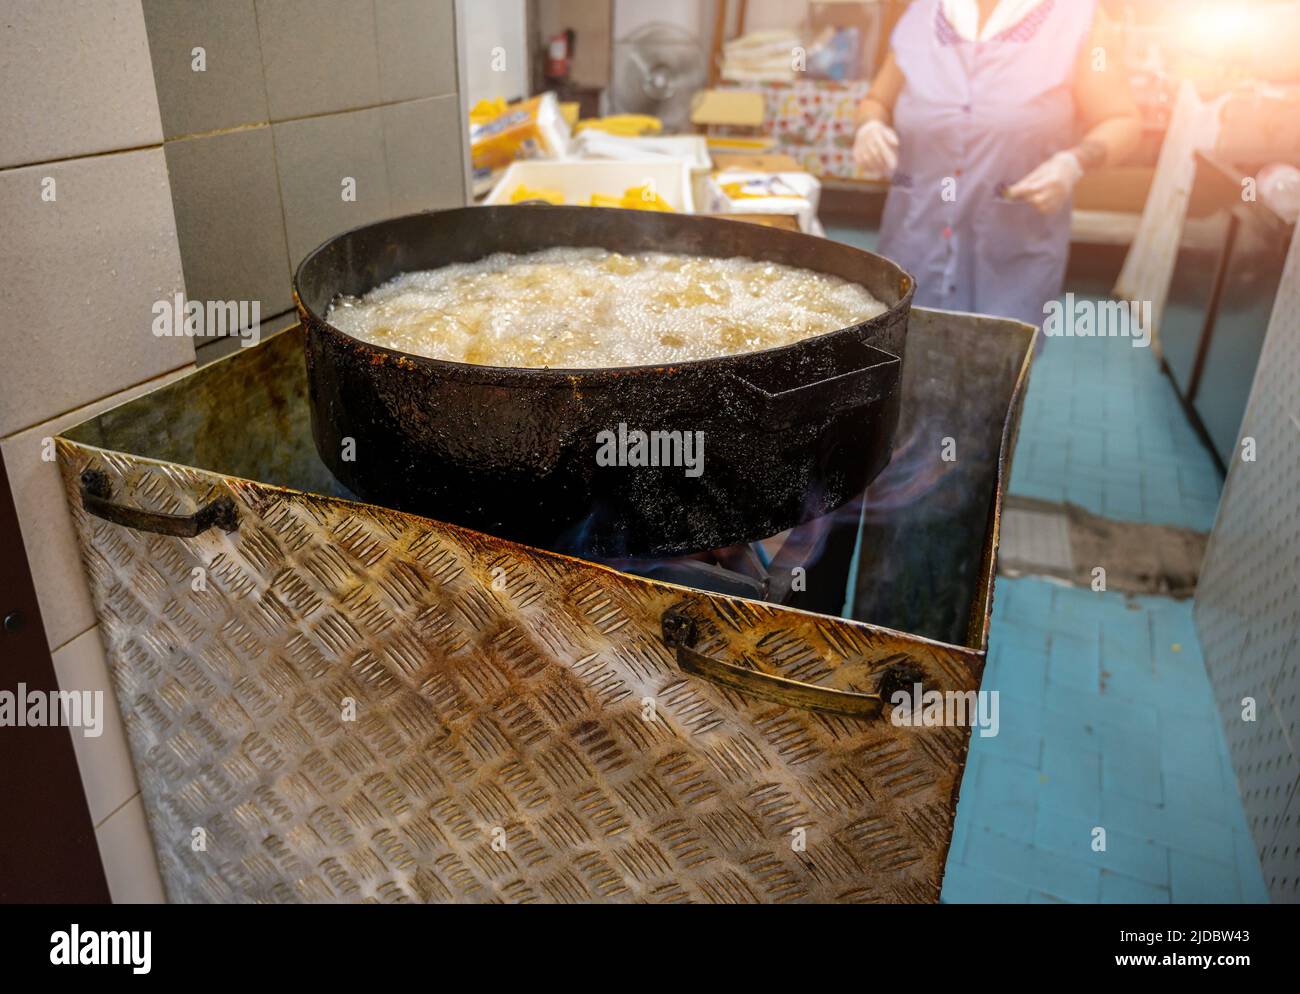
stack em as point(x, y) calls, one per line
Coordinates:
point(97, 499)
point(679, 634)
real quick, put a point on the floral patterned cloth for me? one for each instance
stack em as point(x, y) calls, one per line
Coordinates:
point(812, 122)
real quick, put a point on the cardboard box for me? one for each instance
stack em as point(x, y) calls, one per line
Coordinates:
point(759, 163)
point(727, 108)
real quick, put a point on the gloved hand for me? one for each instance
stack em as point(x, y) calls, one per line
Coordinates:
point(1049, 186)
point(875, 149)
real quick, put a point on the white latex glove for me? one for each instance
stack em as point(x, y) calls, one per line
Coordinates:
point(1049, 186)
point(875, 149)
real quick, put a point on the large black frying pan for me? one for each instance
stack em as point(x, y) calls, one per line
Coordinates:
point(790, 433)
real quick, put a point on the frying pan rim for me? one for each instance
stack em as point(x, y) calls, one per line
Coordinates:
point(563, 376)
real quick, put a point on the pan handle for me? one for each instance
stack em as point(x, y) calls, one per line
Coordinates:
point(97, 499)
point(784, 392)
point(679, 633)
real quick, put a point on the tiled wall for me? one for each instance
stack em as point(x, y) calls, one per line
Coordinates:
point(127, 177)
point(89, 244)
point(1248, 600)
point(297, 98)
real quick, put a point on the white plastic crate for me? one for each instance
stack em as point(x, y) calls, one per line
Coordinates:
point(577, 181)
point(596, 145)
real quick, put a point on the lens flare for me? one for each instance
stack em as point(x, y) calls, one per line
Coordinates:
point(1217, 27)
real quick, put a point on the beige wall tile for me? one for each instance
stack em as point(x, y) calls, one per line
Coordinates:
point(130, 865)
point(81, 275)
point(313, 157)
point(425, 155)
point(76, 78)
point(320, 56)
point(104, 760)
point(230, 91)
point(48, 534)
point(228, 218)
point(417, 48)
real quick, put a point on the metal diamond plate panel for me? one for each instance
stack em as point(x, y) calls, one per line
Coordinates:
point(520, 731)
point(1248, 600)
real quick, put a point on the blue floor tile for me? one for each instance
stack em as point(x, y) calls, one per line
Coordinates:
point(1136, 857)
point(1119, 889)
point(1006, 798)
point(1187, 795)
point(1074, 663)
point(967, 885)
point(1131, 774)
point(1067, 763)
point(1196, 880)
point(1128, 753)
point(1103, 429)
point(1141, 816)
point(1199, 836)
point(1063, 799)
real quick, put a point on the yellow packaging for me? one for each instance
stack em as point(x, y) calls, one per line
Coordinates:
point(736, 191)
point(499, 133)
point(627, 125)
point(636, 198)
point(522, 193)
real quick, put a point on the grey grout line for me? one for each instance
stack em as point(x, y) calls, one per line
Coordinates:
point(89, 402)
point(204, 346)
point(67, 642)
point(217, 132)
point(383, 131)
point(100, 824)
point(84, 155)
point(234, 129)
point(208, 339)
point(459, 44)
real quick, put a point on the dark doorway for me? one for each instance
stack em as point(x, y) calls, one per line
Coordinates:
point(48, 851)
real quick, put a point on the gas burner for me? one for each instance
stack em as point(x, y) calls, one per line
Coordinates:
point(776, 570)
